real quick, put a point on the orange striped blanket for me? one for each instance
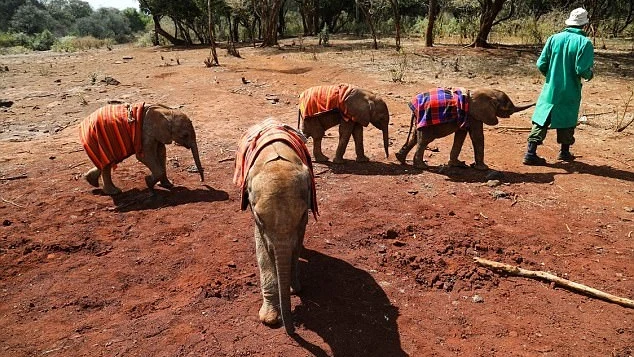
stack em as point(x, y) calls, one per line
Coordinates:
point(256, 138)
point(323, 99)
point(112, 133)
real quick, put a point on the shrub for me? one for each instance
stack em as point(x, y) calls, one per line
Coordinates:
point(43, 41)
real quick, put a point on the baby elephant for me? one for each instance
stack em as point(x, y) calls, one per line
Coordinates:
point(274, 171)
point(443, 111)
point(351, 108)
point(115, 132)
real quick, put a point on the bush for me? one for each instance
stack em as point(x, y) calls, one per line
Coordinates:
point(72, 43)
point(43, 41)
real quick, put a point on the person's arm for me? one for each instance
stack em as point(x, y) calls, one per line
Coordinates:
point(543, 62)
point(585, 61)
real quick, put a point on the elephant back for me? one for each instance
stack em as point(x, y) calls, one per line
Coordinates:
point(112, 133)
point(440, 106)
point(259, 136)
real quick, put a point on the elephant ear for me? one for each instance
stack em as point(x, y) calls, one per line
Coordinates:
point(157, 124)
point(359, 106)
point(484, 107)
point(505, 106)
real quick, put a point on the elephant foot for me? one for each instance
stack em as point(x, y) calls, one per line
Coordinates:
point(362, 159)
point(150, 182)
point(480, 166)
point(457, 163)
point(166, 184)
point(321, 158)
point(296, 288)
point(92, 177)
point(401, 157)
point(111, 190)
point(338, 160)
point(268, 314)
point(420, 164)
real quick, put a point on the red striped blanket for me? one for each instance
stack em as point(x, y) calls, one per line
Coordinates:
point(323, 99)
point(256, 138)
point(439, 106)
point(112, 133)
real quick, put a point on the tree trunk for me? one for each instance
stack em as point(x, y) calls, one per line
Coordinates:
point(397, 23)
point(159, 31)
point(431, 21)
point(270, 10)
point(489, 11)
point(368, 19)
point(212, 37)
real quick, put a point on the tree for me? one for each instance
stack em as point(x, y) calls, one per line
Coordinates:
point(431, 21)
point(489, 12)
point(366, 8)
point(397, 23)
point(31, 19)
point(7, 10)
point(105, 23)
point(268, 11)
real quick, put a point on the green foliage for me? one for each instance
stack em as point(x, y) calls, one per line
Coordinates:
point(43, 41)
point(105, 23)
point(73, 43)
point(137, 21)
point(31, 19)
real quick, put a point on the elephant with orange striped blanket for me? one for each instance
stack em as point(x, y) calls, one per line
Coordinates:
point(114, 132)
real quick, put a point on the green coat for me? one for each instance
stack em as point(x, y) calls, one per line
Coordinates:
point(567, 57)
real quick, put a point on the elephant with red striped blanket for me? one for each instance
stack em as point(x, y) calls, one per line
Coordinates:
point(114, 132)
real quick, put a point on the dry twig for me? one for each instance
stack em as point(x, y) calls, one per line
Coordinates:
point(10, 178)
point(536, 274)
point(11, 202)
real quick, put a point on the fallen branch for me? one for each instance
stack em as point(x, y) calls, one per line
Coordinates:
point(10, 178)
point(517, 271)
point(227, 159)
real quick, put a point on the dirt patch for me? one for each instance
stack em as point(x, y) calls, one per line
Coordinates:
point(388, 268)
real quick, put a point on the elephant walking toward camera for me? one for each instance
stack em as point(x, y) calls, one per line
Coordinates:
point(352, 108)
point(443, 111)
point(274, 171)
point(114, 132)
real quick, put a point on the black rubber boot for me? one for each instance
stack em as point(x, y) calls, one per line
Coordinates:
point(531, 158)
point(564, 154)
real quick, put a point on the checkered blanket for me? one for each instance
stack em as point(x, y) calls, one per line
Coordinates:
point(323, 99)
point(439, 106)
point(112, 133)
point(256, 138)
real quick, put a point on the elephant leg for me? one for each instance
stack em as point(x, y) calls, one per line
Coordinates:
point(162, 155)
point(151, 159)
point(458, 141)
point(296, 286)
point(423, 141)
point(269, 312)
point(357, 136)
point(476, 133)
point(401, 155)
point(345, 131)
point(108, 187)
point(92, 176)
point(313, 128)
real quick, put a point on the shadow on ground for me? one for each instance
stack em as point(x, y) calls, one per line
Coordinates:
point(347, 308)
point(138, 200)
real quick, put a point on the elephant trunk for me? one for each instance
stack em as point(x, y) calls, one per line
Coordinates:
point(386, 142)
point(283, 258)
point(199, 166)
point(523, 107)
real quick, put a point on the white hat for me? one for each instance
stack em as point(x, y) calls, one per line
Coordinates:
point(578, 17)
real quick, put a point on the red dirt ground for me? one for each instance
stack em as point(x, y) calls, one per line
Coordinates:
point(387, 269)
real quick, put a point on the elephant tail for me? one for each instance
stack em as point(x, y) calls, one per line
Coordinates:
point(299, 118)
point(411, 126)
point(284, 286)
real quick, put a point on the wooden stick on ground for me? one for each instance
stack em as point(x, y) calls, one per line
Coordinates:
point(517, 271)
point(10, 178)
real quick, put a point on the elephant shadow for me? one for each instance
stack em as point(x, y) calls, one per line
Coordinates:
point(138, 200)
point(347, 308)
point(371, 168)
point(578, 167)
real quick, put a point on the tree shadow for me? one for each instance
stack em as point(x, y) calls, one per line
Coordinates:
point(347, 308)
point(367, 168)
point(138, 200)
